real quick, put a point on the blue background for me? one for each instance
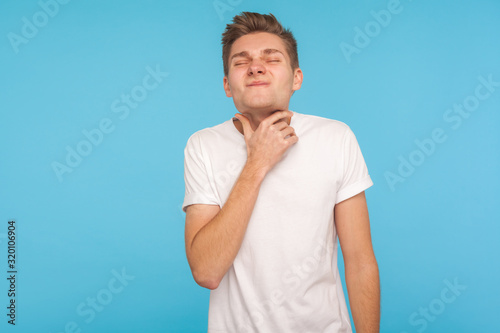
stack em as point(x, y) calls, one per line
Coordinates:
point(119, 208)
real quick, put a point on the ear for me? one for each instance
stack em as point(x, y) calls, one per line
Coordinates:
point(297, 79)
point(227, 89)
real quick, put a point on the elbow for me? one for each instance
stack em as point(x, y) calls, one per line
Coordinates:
point(212, 285)
point(206, 281)
point(204, 273)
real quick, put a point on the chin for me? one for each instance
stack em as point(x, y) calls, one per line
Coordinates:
point(262, 108)
point(262, 104)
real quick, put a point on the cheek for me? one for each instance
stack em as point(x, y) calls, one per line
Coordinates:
point(236, 79)
point(286, 79)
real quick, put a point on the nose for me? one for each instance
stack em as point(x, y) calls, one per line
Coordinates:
point(256, 67)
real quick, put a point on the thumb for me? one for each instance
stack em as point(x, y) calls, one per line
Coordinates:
point(247, 128)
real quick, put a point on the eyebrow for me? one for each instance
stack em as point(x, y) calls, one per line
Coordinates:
point(245, 54)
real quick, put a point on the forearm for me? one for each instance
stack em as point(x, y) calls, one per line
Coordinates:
point(215, 246)
point(363, 286)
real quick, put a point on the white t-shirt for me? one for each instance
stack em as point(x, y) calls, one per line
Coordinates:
point(285, 276)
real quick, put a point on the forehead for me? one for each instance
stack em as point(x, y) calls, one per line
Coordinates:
point(257, 42)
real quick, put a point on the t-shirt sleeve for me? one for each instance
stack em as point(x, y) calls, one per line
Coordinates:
point(196, 177)
point(355, 173)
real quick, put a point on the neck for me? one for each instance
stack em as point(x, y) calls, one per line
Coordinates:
point(256, 118)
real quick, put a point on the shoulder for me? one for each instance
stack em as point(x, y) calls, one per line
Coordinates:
point(209, 134)
point(322, 125)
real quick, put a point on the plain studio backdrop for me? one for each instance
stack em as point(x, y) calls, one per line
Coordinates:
point(99, 98)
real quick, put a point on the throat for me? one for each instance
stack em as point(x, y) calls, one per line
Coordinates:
point(239, 125)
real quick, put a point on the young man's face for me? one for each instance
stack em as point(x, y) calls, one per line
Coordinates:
point(260, 76)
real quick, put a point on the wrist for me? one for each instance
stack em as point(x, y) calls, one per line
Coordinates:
point(255, 170)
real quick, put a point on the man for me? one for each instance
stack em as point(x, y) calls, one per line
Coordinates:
point(267, 193)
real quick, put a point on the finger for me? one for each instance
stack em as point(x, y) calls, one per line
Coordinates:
point(288, 131)
point(280, 124)
point(277, 116)
point(292, 139)
point(282, 120)
point(247, 129)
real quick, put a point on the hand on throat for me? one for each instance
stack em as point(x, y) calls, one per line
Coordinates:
point(256, 119)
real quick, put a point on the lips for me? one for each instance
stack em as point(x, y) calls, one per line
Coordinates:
point(258, 84)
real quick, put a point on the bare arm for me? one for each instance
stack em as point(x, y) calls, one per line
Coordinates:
point(212, 243)
point(361, 269)
point(213, 236)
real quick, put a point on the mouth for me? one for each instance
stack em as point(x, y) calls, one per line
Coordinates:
point(258, 84)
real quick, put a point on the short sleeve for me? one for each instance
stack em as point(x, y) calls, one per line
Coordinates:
point(196, 177)
point(355, 177)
